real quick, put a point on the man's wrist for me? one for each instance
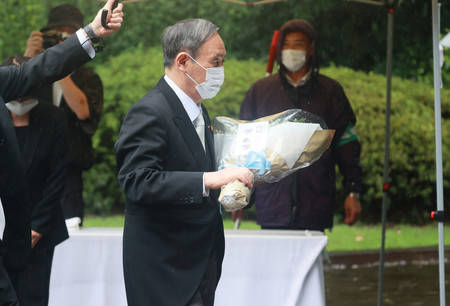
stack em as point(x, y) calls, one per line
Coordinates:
point(205, 190)
point(85, 42)
point(94, 38)
point(91, 34)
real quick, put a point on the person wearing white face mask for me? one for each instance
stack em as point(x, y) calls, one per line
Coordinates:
point(213, 81)
point(15, 195)
point(40, 131)
point(21, 107)
point(305, 200)
point(173, 234)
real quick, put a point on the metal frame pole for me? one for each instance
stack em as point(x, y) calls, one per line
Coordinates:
point(435, 6)
point(390, 40)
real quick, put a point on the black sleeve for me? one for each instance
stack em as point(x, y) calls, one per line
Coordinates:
point(15, 196)
point(49, 66)
point(91, 85)
point(248, 106)
point(348, 160)
point(343, 114)
point(347, 155)
point(141, 153)
point(54, 184)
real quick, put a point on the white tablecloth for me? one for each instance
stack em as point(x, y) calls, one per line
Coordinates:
point(273, 268)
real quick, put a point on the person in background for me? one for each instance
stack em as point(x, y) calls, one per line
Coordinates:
point(80, 96)
point(40, 133)
point(306, 199)
point(17, 82)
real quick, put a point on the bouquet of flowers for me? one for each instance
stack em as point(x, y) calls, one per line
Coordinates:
point(272, 147)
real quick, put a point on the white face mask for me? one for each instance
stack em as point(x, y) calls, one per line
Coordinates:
point(21, 108)
point(293, 60)
point(213, 81)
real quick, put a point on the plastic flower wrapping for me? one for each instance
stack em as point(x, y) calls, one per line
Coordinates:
point(271, 147)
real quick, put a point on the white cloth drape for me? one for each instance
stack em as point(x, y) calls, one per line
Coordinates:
point(272, 268)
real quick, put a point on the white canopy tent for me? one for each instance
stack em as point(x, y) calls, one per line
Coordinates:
point(439, 213)
point(435, 6)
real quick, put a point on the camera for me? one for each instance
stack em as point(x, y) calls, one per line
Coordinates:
point(53, 37)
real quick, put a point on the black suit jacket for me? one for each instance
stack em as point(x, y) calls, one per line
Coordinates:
point(45, 158)
point(51, 65)
point(171, 230)
point(14, 196)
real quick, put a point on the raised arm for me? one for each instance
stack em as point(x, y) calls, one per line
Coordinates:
point(56, 62)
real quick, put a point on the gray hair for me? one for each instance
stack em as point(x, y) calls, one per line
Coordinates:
point(186, 35)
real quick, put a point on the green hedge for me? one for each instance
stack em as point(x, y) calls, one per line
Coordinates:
point(130, 75)
point(412, 165)
point(351, 34)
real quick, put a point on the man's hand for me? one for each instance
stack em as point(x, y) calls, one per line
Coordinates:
point(215, 180)
point(352, 210)
point(114, 20)
point(35, 237)
point(34, 44)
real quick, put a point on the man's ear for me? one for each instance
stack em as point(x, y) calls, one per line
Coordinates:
point(181, 61)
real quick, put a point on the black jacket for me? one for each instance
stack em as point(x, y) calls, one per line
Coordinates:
point(306, 199)
point(45, 159)
point(51, 65)
point(171, 230)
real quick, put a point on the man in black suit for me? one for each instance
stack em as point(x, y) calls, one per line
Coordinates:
point(173, 242)
point(40, 130)
point(15, 82)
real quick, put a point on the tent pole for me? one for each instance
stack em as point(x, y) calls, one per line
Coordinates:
point(390, 39)
point(438, 139)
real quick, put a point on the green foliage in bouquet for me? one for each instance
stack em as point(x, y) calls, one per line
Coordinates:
point(130, 75)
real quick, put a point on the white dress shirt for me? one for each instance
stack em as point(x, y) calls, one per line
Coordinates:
point(192, 109)
point(85, 43)
point(2, 220)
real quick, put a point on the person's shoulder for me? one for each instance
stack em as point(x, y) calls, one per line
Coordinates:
point(328, 82)
point(267, 81)
point(84, 72)
point(86, 76)
point(150, 111)
point(152, 102)
point(153, 98)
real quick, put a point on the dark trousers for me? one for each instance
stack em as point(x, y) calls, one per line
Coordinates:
point(275, 227)
point(8, 295)
point(35, 280)
point(204, 296)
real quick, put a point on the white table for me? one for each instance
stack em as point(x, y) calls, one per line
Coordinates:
point(273, 268)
